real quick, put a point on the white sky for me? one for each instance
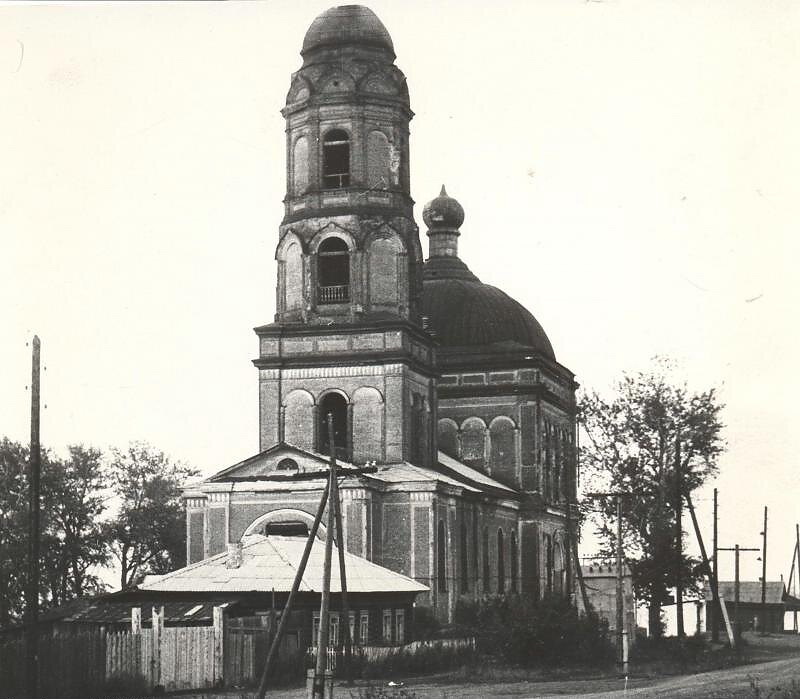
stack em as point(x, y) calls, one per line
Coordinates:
point(629, 172)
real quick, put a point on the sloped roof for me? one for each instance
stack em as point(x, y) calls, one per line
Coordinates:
point(471, 474)
point(749, 591)
point(270, 563)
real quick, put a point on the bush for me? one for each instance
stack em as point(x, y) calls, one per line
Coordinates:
point(547, 633)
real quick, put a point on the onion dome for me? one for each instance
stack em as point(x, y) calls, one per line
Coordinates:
point(443, 213)
point(464, 313)
point(347, 25)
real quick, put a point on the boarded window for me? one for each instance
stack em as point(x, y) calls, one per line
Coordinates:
point(473, 443)
point(367, 425)
point(378, 160)
point(514, 562)
point(501, 563)
point(383, 271)
point(503, 457)
point(441, 558)
point(300, 166)
point(298, 419)
point(293, 278)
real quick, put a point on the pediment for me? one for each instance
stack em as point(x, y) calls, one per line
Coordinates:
point(281, 460)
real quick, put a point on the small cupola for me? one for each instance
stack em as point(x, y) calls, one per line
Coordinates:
point(443, 216)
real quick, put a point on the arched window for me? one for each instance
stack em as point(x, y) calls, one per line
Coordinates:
point(548, 543)
point(514, 556)
point(336, 405)
point(333, 271)
point(501, 564)
point(286, 529)
point(486, 573)
point(336, 159)
point(287, 465)
point(441, 559)
point(463, 559)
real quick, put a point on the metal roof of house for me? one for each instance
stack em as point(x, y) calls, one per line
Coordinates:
point(470, 473)
point(749, 591)
point(270, 563)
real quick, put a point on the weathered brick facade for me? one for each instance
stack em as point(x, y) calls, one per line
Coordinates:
point(468, 419)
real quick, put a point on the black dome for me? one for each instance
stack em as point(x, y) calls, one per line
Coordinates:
point(347, 24)
point(462, 311)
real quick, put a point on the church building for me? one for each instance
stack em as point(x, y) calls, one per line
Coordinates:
point(447, 389)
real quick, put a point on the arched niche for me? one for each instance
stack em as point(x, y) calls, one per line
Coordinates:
point(368, 409)
point(448, 437)
point(384, 271)
point(473, 443)
point(284, 516)
point(293, 277)
point(298, 419)
point(503, 450)
point(300, 166)
point(378, 161)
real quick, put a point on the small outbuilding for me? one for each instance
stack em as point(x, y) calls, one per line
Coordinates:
point(253, 579)
point(776, 603)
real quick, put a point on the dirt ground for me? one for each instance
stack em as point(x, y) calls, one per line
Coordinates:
point(771, 675)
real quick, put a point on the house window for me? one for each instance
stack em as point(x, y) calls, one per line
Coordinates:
point(315, 630)
point(336, 159)
point(352, 627)
point(501, 564)
point(333, 271)
point(333, 629)
point(400, 626)
point(334, 404)
point(464, 562)
point(363, 629)
point(441, 559)
point(387, 625)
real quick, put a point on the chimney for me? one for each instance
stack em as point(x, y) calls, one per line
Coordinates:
point(234, 555)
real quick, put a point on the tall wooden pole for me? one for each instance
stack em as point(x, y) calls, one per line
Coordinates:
point(344, 626)
point(797, 549)
point(318, 691)
point(711, 575)
point(622, 650)
point(32, 592)
point(764, 576)
point(678, 536)
point(715, 580)
point(736, 633)
point(287, 608)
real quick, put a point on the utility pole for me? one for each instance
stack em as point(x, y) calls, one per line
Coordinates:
point(737, 549)
point(32, 592)
point(764, 576)
point(344, 626)
point(711, 576)
point(622, 644)
point(318, 690)
point(797, 550)
point(715, 581)
point(678, 537)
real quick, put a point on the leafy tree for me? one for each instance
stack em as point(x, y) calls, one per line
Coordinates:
point(148, 533)
point(72, 545)
point(631, 447)
point(13, 529)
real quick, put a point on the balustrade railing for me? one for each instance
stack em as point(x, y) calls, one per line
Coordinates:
point(334, 294)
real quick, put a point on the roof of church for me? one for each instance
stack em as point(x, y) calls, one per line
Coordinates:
point(311, 467)
point(270, 563)
point(462, 311)
point(347, 24)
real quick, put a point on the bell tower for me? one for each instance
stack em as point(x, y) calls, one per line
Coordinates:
point(347, 337)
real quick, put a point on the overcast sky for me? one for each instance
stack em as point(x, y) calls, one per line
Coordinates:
point(629, 172)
